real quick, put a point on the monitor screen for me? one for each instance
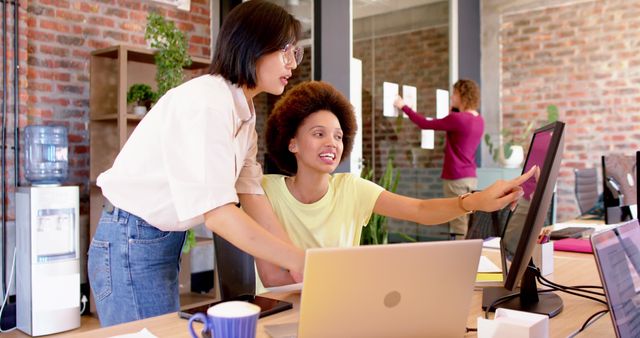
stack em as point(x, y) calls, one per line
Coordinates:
point(526, 221)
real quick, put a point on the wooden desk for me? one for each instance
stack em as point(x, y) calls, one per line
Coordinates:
point(570, 269)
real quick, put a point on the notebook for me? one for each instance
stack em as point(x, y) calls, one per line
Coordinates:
point(573, 245)
point(617, 253)
point(396, 290)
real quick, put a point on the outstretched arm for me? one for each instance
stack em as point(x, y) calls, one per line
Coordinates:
point(440, 210)
point(446, 123)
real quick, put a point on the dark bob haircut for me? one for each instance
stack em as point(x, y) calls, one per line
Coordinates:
point(294, 107)
point(251, 30)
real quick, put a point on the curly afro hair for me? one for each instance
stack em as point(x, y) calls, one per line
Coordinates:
point(469, 94)
point(291, 110)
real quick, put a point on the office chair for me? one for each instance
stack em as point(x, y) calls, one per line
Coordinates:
point(483, 224)
point(586, 188)
point(234, 269)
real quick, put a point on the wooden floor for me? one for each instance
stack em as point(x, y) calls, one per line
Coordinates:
point(91, 322)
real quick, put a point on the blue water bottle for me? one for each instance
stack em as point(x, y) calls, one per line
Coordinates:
point(46, 154)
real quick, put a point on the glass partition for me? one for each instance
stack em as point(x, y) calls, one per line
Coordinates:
point(405, 43)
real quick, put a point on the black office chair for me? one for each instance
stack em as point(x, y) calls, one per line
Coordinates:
point(483, 224)
point(234, 269)
point(586, 188)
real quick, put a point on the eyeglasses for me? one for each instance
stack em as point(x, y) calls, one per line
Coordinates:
point(292, 53)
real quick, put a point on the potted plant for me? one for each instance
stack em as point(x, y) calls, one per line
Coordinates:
point(142, 96)
point(376, 231)
point(511, 153)
point(172, 52)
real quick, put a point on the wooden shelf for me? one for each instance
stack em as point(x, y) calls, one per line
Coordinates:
point(113, 70)
point(139, 54)
point(134, 117)
point(106, 117)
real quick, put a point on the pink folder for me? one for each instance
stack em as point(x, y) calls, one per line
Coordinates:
point(573, 245)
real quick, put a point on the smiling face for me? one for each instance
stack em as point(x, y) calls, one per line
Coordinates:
point(317, 144)
point(272, 73)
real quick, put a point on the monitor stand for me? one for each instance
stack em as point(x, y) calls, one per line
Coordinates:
point(529, 299)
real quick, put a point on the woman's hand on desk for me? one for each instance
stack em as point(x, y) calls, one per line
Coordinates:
point(500, 194)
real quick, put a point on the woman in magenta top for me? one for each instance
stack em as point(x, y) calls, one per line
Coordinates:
point(464, 127)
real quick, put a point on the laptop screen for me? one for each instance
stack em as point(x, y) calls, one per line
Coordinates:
point(618, 257)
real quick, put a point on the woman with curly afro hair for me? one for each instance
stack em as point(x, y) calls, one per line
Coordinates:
point(309, 133)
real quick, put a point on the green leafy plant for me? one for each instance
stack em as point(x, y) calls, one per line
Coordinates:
point(190, 241)
point(141, 94)
point(172, 52)
point(509, 138)
point(376, 231)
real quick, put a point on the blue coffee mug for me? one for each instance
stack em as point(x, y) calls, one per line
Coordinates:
point(234, 319)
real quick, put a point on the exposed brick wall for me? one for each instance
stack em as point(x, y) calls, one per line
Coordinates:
point(584, 58)
point(57, 39)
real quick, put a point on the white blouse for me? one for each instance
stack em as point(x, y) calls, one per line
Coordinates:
point(193, 152)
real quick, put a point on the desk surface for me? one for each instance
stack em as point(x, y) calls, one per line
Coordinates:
point(570, 269)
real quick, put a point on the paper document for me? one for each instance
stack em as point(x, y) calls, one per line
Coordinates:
point(486, 265)
point(144, 333)
point(389, 93)
point(286, 288)
point(442, 103)
point(493, 243)
point(410, 97)
point(427, 141)
point(285, 330)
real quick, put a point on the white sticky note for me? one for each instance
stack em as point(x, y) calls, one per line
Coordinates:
point(427, 139)
point(410, 97)
point(389, 92)
point(442, 103)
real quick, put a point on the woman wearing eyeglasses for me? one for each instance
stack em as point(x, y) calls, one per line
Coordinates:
point(190, 161)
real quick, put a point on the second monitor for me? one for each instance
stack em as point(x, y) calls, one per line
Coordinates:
point(523, 227)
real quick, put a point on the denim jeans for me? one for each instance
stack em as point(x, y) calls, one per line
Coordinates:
point(133, 268)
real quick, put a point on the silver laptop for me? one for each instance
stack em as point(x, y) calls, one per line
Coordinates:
point(617, 253)
point(396, 290)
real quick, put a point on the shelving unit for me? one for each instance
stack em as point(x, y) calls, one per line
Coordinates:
point(113, 70)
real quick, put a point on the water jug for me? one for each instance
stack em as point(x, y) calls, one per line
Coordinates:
point(46, 155)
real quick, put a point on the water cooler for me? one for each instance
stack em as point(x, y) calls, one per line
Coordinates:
point(47, 238)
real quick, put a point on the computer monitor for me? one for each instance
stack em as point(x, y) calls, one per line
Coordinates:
point(619, 190)
point(524, 225)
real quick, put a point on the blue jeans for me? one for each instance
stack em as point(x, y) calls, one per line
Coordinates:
point(133, 268)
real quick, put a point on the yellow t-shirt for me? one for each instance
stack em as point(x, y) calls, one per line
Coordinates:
point(336, 220)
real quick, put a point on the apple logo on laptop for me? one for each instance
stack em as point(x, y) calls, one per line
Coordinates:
point(392, 299)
